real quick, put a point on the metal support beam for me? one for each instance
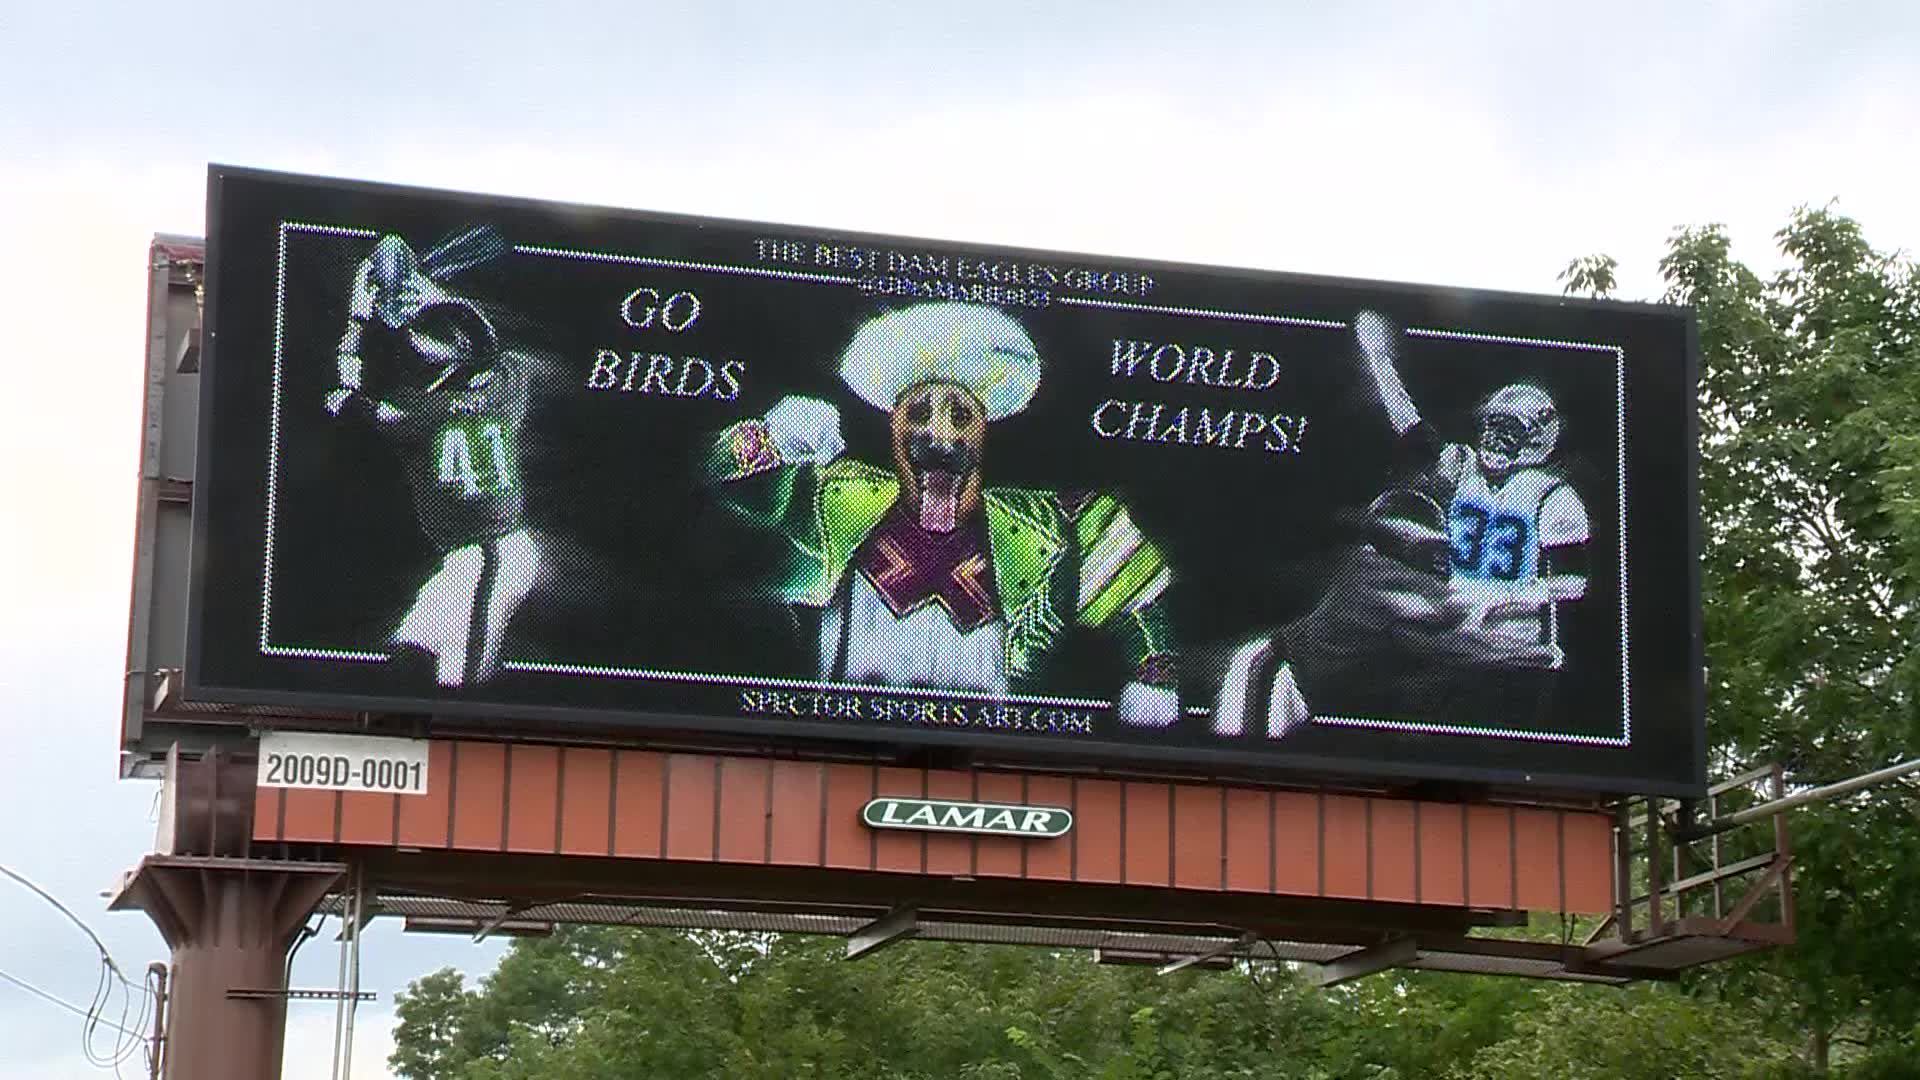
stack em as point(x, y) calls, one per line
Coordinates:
point(1623, 873)
point(155, 1055)
point(1220, 950)
point(1367, 961)
point(242, 993)
point(1799, 799)
point(487, 927)
point(1656, 915)
point(896, 925)
point(1774, 876)
point(1777, 786)
point(1151, 958)
point(431, 924)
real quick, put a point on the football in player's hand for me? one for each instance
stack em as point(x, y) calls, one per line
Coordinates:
point(1410, 528)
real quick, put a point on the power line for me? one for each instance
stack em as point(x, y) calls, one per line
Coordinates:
point(110, 972)
point(67, 1005)
point(124, 1045)
point(76, 920)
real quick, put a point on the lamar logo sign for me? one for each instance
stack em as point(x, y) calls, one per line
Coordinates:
point(991, 819)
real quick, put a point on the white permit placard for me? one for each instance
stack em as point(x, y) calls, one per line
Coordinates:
point(305, 759)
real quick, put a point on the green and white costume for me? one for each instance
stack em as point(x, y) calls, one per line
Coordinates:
point(1055, 560)
point(983, 607)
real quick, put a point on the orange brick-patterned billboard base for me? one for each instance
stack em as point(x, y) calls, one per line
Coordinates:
point(1201, 838)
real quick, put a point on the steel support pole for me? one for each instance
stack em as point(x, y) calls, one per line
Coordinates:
point(347, 924)
point(157, 1044)
point(1780, 802)
point(1623, 872)
point(1656, 915)
point(230, 923)
point(353, 970)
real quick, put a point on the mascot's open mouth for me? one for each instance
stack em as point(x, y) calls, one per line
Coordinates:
point(941, 471)
point(939, 501)
point(1501, 436)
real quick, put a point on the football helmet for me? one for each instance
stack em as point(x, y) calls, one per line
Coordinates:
point(397, 287)
point(1519, 426)
point(438, 347)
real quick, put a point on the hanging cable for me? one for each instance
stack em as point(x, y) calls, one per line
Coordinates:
point(125, 1043)
point(52, 1000)
point(64, 910)
point(307, 933)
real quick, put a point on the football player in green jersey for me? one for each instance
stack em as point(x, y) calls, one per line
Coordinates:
point(427, 368)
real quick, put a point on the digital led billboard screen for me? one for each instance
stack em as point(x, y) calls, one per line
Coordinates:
point(492, 457)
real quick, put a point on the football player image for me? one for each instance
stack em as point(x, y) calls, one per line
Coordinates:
point(426, 367)
point(919, 573)
point(1452, 599)
point(1516, 531)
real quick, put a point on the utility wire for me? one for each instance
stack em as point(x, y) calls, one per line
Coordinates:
point(64, 910)
point(125, 1045)
point(63, 1003)
point(123, 1048)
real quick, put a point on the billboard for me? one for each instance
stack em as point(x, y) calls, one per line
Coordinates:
point(477, 456)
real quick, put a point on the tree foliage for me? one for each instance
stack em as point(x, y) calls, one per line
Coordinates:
point(603, 1004)
point(1810, 405)
point(1594, 275)
point(1809, 402)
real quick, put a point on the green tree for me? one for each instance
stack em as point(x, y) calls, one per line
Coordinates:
point(699, 1006)
point(1810, 401)
point(1810, 501)
point(1642, 1033)
point(1594, 275)
point(1415, 1024)
point(433, 1014)
point(606, 1004)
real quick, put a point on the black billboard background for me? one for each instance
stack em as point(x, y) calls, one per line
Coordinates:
point(651, 575)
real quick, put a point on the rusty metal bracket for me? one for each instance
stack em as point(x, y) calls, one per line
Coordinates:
point(254, 993)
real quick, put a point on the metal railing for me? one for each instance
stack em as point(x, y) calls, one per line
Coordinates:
point(1724, 876)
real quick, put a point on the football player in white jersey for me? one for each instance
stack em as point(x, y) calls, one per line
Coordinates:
point(1516, 530)
point(1453, 599)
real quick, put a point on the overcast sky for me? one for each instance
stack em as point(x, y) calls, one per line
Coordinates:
point(1485, 147)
